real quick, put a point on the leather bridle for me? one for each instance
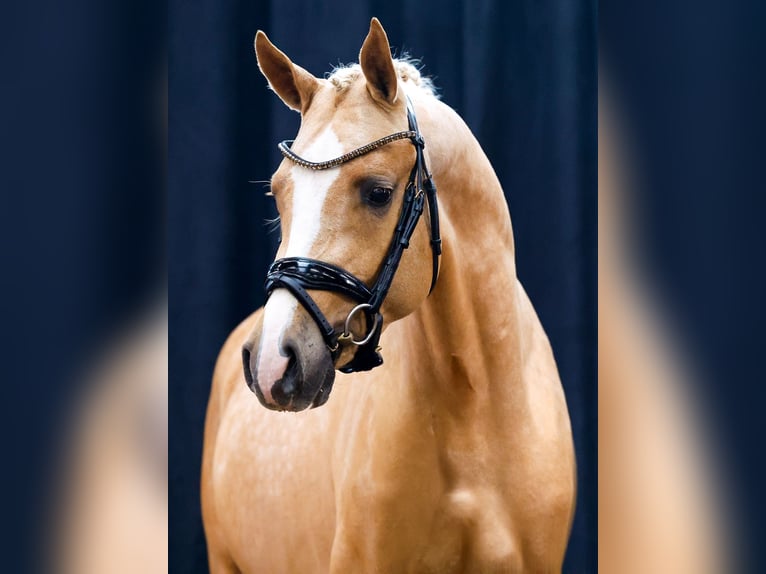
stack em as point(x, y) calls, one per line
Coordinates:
point(300, 274)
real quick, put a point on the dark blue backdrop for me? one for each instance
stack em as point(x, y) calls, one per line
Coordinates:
point(522, 74)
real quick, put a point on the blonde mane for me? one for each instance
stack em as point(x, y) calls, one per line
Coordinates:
point(407, 68)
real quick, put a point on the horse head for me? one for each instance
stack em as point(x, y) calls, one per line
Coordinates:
point(344, 215)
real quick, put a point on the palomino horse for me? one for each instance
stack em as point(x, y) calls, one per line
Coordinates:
point(456, 454)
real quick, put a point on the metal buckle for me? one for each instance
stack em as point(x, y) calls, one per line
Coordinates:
point(348, 337)
point(417, 191)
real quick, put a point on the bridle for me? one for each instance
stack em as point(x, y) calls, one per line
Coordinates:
point(299, 274)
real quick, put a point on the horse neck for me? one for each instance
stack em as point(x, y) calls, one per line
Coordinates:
point(466, 338)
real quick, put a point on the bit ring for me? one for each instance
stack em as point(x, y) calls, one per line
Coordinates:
point(348, 337)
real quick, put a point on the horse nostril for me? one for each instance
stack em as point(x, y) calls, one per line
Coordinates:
point(246, 366)
point(249, 370)
point(289, 386)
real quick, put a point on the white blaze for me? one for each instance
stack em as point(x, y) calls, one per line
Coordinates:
point(309, 193)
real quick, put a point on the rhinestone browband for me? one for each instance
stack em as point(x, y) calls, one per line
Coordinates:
point(284, 147)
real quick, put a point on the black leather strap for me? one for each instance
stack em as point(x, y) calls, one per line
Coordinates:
point(426, 184)
point(368, 356)
point(299, 274)
point(315, 274)
point(293, 284)
point(412, 208)
point(433, 216)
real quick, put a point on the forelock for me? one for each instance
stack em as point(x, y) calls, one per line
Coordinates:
point(343, 76)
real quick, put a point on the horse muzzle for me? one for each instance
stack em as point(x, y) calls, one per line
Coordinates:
point(304, 375)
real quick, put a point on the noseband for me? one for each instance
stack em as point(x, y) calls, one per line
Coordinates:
point(300, 274)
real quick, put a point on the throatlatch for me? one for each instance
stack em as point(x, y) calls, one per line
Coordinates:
point(300, 274)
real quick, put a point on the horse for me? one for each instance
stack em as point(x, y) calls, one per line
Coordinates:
point(453, 455)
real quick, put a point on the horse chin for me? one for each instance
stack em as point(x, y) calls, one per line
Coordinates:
point(324, 388)
point(314, 374)
point(312, 387)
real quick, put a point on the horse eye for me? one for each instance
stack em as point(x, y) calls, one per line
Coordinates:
point(379, 196)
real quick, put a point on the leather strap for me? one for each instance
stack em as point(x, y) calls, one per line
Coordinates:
point(293, 284)
point(315, 274)
point(285, 148)
point(425, 184)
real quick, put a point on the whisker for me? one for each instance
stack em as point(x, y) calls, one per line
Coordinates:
point(272, 224)
point(264, 182)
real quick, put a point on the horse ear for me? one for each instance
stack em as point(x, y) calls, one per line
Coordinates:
point(378, 66)
point(294, 85)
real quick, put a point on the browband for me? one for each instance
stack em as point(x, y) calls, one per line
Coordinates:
point(285, 148)
point(300, 274)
